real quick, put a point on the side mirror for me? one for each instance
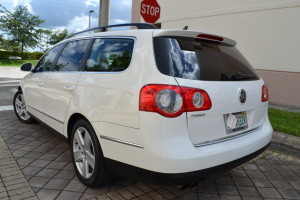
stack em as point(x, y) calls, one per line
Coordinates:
point(26, 67)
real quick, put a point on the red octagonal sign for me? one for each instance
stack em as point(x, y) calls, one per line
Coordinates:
point(150, 10)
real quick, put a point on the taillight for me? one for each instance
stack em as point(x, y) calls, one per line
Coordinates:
point(163, 99)
point(172, 101)
point(265, 93)
point(196, 99)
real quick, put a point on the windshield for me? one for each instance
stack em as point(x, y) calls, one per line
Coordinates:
point(196, 59)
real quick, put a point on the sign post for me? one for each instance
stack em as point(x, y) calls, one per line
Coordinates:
point(150, 11)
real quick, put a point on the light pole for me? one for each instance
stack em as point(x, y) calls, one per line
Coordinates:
point(91, 11)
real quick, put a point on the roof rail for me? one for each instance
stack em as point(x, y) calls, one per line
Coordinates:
point(103, 28)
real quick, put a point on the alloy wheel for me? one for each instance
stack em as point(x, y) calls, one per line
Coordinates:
point(21, 108)
point(83, 152)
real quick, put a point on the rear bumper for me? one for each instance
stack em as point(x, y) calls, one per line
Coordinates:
point(139, 174)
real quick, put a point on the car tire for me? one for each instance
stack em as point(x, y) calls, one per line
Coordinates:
point(20, 108)
point(87, 155)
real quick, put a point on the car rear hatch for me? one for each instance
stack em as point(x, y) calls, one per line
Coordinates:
point(212, 63)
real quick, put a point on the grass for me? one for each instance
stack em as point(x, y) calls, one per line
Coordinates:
point(285, 122)
point(16, 63)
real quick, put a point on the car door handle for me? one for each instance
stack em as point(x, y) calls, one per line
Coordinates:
point(68, 88)
point(40, 84)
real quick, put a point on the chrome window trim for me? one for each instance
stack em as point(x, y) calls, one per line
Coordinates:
point(226, 138)
point(121, 141)
point(46, 114)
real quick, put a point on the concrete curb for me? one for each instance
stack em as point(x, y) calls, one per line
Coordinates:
point(286, 140)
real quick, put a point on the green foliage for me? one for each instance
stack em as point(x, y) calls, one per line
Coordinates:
point(121, 62)
point(115, 63)
point(285, 122)
point(21, 26)
point(57, 36)
point(16, 63)
point(9, 45)
point(25, 55)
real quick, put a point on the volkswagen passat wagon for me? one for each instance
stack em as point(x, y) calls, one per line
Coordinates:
point(168, 107)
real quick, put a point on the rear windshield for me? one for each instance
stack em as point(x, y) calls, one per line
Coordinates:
point(197, 59)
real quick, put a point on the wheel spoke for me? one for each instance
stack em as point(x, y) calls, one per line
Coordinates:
point(79, 139)
point(22, 98)
point(90, 159)
point(18, 102)
point(77, 156)
point(87, 141)
point(20, 112)
point(85, 168)
point(26, 115)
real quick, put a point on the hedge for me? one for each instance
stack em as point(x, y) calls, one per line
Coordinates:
point(24, 56)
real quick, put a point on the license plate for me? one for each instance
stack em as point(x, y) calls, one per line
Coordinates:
point(236, 122)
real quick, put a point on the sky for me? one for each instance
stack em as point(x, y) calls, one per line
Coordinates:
point(72, 14)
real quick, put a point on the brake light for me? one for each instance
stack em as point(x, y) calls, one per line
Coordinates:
point(171, 101)
point(211, 37)
point(265, 93)
point(196, 99)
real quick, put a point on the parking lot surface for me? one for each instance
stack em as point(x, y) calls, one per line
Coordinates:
point(36, 164)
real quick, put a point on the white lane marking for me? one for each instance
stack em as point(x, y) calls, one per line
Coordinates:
point(13, 90)
point(3, 108)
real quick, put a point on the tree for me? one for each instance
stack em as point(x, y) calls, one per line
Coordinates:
point(9, 45)
point(21, 26)
point(57, 36)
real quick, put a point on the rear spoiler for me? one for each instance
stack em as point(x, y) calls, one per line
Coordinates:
point(194, 34)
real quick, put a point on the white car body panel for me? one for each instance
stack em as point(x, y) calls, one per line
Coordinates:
point(168, 148)
point(224, 98)
point(33, 92)
point(59, 88)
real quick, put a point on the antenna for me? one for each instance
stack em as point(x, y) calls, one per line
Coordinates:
point(185, 28)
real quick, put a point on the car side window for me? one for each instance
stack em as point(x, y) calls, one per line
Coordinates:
point(110, 54)
point(46, 61)
point(71, 57)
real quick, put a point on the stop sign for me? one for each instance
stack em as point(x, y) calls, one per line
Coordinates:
point(150, 10)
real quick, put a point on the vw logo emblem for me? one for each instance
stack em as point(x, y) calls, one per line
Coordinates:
point(242, 96)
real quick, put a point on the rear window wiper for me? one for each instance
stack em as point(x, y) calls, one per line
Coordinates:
point(241, 76)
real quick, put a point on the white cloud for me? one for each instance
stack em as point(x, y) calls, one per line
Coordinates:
point(14, 3)
point(91, 3)
point(27, 3)
point(120, 21)
point(127, 2)
point(78, 23)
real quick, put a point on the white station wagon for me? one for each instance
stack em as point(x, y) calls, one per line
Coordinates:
point(169, 107)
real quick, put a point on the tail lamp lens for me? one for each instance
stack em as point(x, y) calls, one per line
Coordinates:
point(265, 93)
point(198, 99)
point(168, 101)
point(172, 101)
